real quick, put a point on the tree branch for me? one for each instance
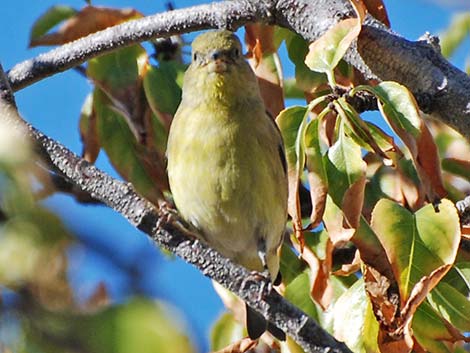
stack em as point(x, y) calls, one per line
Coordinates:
point(168, 233)
point(440, 88)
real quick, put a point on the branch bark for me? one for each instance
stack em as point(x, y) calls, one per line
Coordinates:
point(440, 88)
point(168, 232)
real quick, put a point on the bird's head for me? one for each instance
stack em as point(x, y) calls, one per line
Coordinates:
point(217, 51)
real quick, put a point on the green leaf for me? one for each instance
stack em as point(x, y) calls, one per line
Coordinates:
point(120, 69)
point(305, 79)
point(317, 177)
point(140, 325)
point(124, 152)
point(52, 17)
point(290, 264)
point(161, 86)
point(344, 166)
point(298, 293)
point(454, 36)
point(452, 305)
point(399, 108)
point(430, 330)
point(327, 51)
point(225, 331)
point(416, 244)
point(354, 320)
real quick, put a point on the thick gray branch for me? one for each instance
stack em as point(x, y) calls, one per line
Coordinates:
point(440, 88)
point(167, 232)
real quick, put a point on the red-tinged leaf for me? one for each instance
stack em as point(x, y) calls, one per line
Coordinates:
point(89, 20)
point(401, 111)
point(52, 17)
point(317, 177)
point(416, 244)
point(264, 60)
point(327, 51)
point(292, 123)
point(377, 9)
point(99, 299)
point(88, 131)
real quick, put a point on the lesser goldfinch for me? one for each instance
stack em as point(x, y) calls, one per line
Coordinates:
point(226, 163)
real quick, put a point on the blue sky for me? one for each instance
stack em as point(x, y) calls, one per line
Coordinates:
point(53, 105)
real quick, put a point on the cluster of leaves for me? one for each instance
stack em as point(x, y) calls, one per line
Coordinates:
point(40, 311)
point(376, 260)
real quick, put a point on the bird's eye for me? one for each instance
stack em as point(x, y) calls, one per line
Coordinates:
point(236, 52)
point(195, 56)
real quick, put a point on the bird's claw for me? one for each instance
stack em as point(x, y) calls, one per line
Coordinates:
point(255, 278)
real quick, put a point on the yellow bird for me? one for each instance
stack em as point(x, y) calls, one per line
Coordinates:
point(226, 163)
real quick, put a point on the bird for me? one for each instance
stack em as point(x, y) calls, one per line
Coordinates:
point(226, 163)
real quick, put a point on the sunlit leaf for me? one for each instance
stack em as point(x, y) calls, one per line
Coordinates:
point(346, 174)
point(401, 111)
point(377, 9)
point(355, 324)
point(326, 52)
point(416, 244)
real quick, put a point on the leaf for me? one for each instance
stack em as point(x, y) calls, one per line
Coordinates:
point(162, 89)
point(455, 34)
point(457, 166)
point(136, 164)
point(431, 331)
point(355, 324)
point(452, 305)
point(265, 62)
point(416, 244)
point(305, 79)
point(317, 177)
point(225, 331)
point(400, 109)
point(53, 16)
point(298, 293)
point(292, 123)
point(326, 52)
point(344, 166)
point(377, 9)
point(89, 20)
point(123, 87)
point(88, 131)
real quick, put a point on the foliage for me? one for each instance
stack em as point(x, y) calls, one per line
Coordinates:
point(378, 198)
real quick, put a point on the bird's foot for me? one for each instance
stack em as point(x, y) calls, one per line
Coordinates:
point(261, 280)
point(169, 215)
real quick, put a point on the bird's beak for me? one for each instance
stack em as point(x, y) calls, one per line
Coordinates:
point(218, 65)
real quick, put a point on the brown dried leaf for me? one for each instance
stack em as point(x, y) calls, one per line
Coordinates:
point(383, 296)
point(349, 269)
point(321, 289)
point(98, 299)
point(377, 9)
point(89, 20)
point(264, 60)
point(352, 203)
